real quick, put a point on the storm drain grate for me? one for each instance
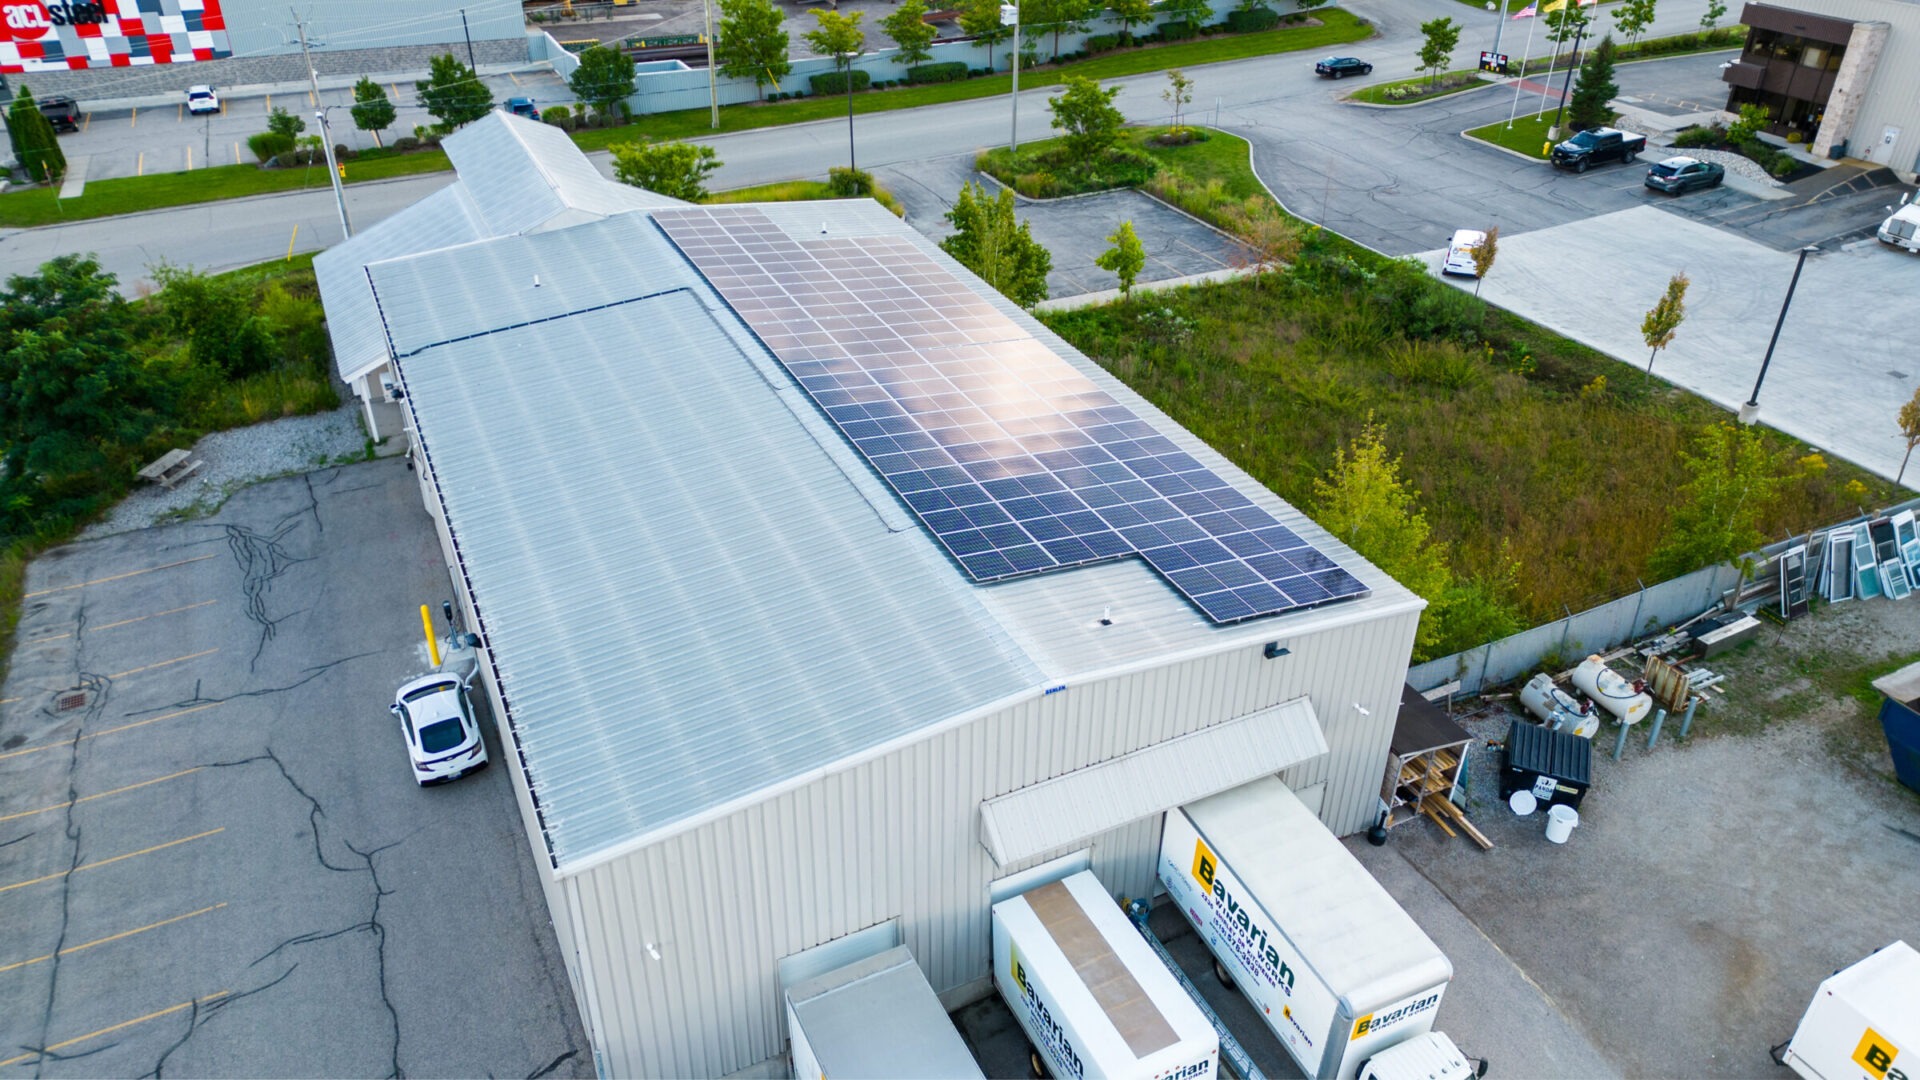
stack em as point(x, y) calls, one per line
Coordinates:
point(69, 702)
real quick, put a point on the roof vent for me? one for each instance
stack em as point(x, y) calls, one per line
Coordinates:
point(536, 281)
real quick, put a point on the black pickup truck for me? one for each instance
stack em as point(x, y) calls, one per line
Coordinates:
point(1597, 147)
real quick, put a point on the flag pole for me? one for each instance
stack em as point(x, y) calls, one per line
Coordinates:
point(1553, 55)
point(1526, 55)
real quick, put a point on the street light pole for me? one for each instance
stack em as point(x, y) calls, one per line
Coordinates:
point(1579, 34)
point(713, 87)
point(468, 34)
point(326, 133)
point(1010, 16)
point(1751, 410)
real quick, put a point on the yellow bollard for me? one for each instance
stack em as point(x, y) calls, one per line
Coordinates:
point(433, 647)
point(289, 258)
point(1546, 149)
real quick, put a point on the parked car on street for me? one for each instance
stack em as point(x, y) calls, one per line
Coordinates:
point(202, 99)
point(523, 106)
point(1678, 175)
point(1459, 258)
point(1339, 67)
point(436, 719)
point(61, 111)
point(1597, 147)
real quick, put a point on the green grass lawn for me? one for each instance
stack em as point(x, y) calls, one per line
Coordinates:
point(39, 206)
point(1527, 135)
point(1452, 82)
point(800, 191)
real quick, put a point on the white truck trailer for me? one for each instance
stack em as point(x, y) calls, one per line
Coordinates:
point(1091, 995)
point(1864, 1022)
point(1339, 971)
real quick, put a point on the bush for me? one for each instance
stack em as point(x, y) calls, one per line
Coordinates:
point(1243, 22)
point(267, 145)
point(1100, 43)
point(1700, 136)
point(850, 183)
point(1178, 31)
point(835, 82)
point(556, 114)
point(951, 71)
point(405, 143)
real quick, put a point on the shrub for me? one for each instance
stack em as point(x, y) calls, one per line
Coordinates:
point(405, 143)
point(1178, 31)
point(850, 183)
point(950, 71)
point(556, 114)
point(1100, 43)
point(267, 145)
point(1242, 22)
point(1700, 136)
point(835, 82)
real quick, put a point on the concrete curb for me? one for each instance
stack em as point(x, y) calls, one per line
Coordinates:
point(1108, 296)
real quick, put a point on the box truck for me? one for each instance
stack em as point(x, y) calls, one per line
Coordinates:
point(1902, 227)
point(1091, 995)
point(1863, 1023)
point(876, 1018)
point(1337, 969)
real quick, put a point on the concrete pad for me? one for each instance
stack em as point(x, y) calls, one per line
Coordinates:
point(1841, 369)
point(75, 181)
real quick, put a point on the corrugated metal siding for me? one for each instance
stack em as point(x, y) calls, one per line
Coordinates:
point(896, 837)
point(445, 218)
point(260, 27)
point(523, 174)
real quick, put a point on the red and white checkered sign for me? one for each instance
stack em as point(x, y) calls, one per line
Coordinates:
point(65, 35)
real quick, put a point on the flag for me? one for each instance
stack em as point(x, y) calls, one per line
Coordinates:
point(1525, 12)
point(1552, 5)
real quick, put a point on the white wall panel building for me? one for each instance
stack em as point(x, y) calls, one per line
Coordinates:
point(751, 706)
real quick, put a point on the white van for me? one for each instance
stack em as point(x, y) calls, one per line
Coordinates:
point(1902, 230)
point(1459, 258)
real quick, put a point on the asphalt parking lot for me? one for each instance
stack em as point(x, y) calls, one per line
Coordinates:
point(129, 141)
point(213, 857)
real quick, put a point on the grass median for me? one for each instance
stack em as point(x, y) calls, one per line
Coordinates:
point(102, 198)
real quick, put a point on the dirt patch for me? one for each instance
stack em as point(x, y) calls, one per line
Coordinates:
point(1712, 882)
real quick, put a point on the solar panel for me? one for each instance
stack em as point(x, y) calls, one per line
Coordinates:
point(1015, 461)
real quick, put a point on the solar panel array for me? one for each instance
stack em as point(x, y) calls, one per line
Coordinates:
point(1014, 460)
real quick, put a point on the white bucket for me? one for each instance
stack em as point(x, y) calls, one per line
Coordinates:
point(1560, 823)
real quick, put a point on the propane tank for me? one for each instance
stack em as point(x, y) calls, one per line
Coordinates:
point(1557, 709)
point(1626, 700)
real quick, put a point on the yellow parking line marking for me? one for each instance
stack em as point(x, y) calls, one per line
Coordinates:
point(101, 795)
point(140, 167)
point(189, 159)
point(181, 114)
point(71, 949)
point(269, 104)
point(236, 153)
point(112, 860)
point(85, 122)
point(164, 663)
point(215, 996)
point(395, 87)
point(109, 731)
point(515, 78)
point(122, 622)
point(133, 118)
point(116, 577)
point(311, 100)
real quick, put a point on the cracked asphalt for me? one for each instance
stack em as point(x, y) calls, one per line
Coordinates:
point(213, 857)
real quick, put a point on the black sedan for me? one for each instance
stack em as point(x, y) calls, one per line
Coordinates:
point(1339, 67)
point(1677, 175)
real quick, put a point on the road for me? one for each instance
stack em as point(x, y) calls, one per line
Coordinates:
point(1322, 157)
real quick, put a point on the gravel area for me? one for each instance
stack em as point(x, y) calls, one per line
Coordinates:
point(235, 459)
point(1734, 163)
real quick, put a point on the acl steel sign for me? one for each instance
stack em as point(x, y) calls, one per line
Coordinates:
point(60, 35)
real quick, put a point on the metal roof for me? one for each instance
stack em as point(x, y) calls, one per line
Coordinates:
point(1055, 813)
point(694, 591)
point(515, 176)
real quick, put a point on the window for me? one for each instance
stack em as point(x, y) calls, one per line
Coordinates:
point(440, 737)
point(1814, 56)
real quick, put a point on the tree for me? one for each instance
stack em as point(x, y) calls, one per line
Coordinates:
point(1363, 502)
point(1658, 328)
point(216, 316)
point(908, 28)
point(285, 124)
point(371, 109)
point(1086, 113)
point(753, 43)
point(1747, 124)
point(981, 20)
point(1308, 5)
point(1633, 17)
point(1126, 258)
point(1483, 255)
point(604, 78)
point(1057, 16)
point(1132, 13)
point(1564, 22)
point(989, 241)
point(840, 37)
point(675, 169)
point(34, 141)
point(1194, 13)
point(1716, 10)
point(1436, 52)
point(1594, 88)
point(1733, 478)
point(1909, 419)
point(453, 92)
point(1272, 240)
point(1179, 94)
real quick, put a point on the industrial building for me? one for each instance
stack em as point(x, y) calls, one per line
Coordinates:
point(1842, 75)
point(824, 595)
point(137, 48)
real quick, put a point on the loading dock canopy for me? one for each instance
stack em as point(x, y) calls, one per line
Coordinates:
point(1056, 813)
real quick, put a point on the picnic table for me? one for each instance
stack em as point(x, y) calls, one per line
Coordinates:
point(171, 468)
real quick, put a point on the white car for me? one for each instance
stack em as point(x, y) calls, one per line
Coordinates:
point(1459, 258)
point(202, 99)
point(437, 721)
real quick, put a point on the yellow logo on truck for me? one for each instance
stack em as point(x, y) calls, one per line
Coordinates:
point(1203, 863)
point(1875, 1053)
